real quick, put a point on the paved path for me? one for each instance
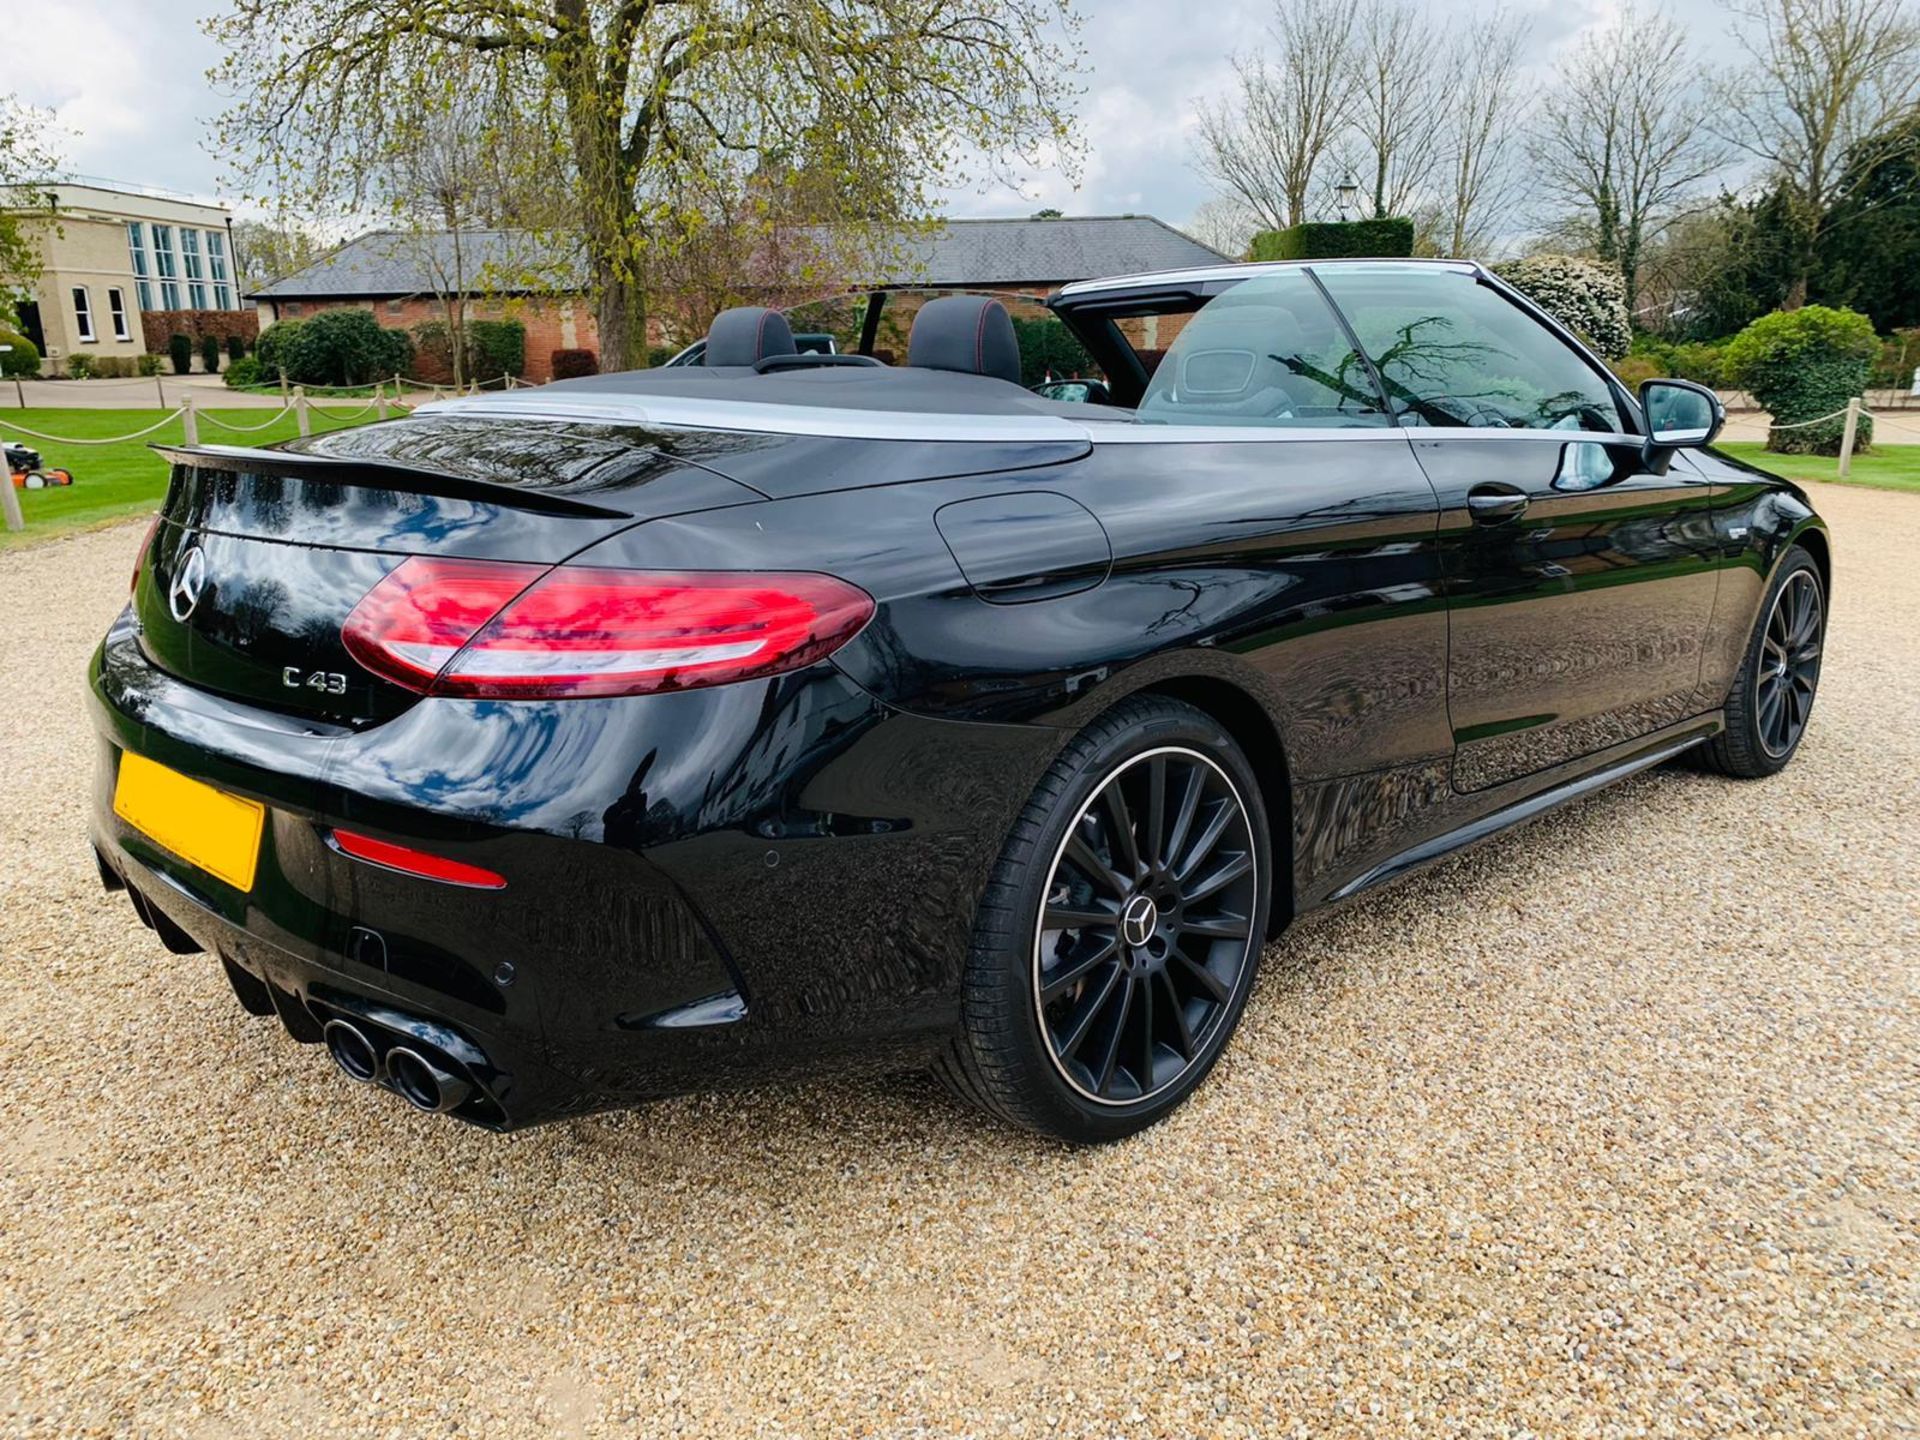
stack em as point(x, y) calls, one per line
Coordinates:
point(1610, 1127)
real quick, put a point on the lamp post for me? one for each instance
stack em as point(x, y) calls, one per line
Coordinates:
point(1345, 193)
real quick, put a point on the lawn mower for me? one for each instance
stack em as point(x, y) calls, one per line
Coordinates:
point(29, 471)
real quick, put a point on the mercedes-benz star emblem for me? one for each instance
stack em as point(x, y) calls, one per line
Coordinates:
point(188, 581)
point(1139, 920)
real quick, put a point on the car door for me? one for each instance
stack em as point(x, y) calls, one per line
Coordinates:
point(1580, 582)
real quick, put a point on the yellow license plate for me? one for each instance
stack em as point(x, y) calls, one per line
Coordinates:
point(208, 828)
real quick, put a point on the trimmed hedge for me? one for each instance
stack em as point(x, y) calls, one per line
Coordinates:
point(1803, 364)
point(572, 364)
point(1337, 240)
point(210, 354)
point(158, 326)
point(180, 352)
point(244, 372)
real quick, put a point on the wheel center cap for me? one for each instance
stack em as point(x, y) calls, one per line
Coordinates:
point(1139, 920)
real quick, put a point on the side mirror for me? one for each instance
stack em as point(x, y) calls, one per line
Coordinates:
point(1680, 414)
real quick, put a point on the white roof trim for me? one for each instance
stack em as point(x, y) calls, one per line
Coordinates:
point(1247, 270)
point(672, 412)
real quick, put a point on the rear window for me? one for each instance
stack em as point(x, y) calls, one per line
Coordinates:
point(1267, 352)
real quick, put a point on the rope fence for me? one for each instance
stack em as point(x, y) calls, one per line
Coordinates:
point(268, 423)
point(106, 440)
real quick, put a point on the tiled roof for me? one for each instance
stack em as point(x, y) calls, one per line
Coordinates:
point(387, 263)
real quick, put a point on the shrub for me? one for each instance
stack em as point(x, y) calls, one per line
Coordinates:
point(1634, 369)
point(496, 348)
point(336, 347)
point(80, 367)
point(1336, 240)
point(147, 365)
point(571, 364)
point(1588, 298)
point(658, 355)
point(244, 371)
point(236, 347)
point(210, 354)
point(22, 359)
point(275, 347)
point(1047, 346)
point(180, 352)
point(1801, 365)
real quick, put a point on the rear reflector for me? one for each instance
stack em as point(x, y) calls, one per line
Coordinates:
point(486, 629)
point(416, 862)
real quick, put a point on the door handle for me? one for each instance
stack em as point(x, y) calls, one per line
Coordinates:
point(1494, 504)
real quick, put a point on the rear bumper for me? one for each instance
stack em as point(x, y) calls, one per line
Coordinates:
point(711, 888)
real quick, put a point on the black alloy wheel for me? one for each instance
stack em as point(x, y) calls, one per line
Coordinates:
point(1147, 925)
point(1121, 930)
point(1789, 668)
point(1772, 697)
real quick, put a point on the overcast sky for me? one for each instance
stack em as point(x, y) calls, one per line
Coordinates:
point(126, 75)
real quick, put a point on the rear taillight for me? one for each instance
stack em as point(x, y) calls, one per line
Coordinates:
point(491, 629)
point(140, 557)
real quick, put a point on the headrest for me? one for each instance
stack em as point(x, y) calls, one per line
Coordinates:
point(968, 333)
point(746, 335)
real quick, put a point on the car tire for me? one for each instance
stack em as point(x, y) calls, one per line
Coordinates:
point(1053, 1037)
point(1772, 697)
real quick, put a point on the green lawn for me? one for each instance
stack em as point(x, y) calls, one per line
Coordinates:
point(1889, 467)
point(126, 478)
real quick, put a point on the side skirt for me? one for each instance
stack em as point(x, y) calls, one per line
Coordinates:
point(1485, 827)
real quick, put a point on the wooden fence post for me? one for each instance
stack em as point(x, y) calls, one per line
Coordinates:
point(160, 389)
point(1846, 436)
point(380, 399)
point(10, 504)
point(300, 414)
point(189, 423)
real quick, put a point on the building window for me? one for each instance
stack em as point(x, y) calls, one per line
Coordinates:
point(83, 315)
point(217, 268)
point(137, 250)
point(117, 308)
point(293, 307)
point(165, 267)
point(196, 277)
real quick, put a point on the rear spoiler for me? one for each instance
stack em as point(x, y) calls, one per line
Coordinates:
point(382, 475)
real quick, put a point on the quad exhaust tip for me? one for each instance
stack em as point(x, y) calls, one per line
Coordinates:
point(423, 1084)
point(411, 1075)
point(352, 1051)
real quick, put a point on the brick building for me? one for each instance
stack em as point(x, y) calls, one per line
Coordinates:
point(400, 278)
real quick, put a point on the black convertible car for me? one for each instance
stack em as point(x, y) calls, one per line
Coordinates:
point(549, 751)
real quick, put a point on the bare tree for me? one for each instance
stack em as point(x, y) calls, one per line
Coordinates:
point(1622, 138)
point(1824, 80)
point(629, 93)
point(1479, 125)
point(1396, 99)
point(1225, 224)
point(1263, 145)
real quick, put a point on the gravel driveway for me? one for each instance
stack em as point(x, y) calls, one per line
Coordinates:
point(1610, 1128)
